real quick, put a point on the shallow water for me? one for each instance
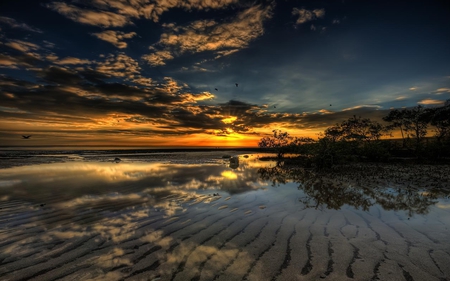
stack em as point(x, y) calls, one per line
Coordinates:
point(196, 218)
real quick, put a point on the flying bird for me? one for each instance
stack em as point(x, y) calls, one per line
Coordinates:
point(216, 89)
point(330, 104)
point(26, 137)
point(237, 84)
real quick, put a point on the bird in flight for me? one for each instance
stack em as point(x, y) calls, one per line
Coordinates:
point(330, 104)
point(237, 84)
point(26, 137)
point(216, 89)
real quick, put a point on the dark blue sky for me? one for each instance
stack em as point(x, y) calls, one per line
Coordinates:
point(145, 71)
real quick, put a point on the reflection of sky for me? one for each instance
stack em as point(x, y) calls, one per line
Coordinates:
point(77, 182)
point(124, 217)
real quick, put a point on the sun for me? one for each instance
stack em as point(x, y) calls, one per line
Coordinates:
point(229, 119)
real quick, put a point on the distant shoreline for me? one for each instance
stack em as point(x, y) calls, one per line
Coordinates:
point(127, 148)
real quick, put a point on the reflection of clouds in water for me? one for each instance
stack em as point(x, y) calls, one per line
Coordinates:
point(442, 205)
point(8, 183)
point(111, 259)
point(197, 254)
point(66, 181)
point(101, 276)
point(93, 200)
point(105, 171)
point(157, 238)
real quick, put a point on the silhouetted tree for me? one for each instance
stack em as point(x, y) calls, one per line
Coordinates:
point(441, 121)
point(279, 142)
point(397, 119)
point(416, 124)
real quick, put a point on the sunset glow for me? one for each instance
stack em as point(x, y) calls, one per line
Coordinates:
point(211, 73)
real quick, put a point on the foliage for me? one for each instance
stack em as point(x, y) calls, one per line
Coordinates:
point(280, 142)
point(397, 120)
point(361, 138)
point(441, 121)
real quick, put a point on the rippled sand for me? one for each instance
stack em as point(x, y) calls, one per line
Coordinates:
point(265, 233)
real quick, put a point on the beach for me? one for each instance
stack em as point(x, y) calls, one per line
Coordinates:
point(194, 216)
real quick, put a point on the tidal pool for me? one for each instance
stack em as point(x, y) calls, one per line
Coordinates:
point(223, 220)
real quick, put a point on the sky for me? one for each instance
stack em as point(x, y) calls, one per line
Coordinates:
point(212, 73)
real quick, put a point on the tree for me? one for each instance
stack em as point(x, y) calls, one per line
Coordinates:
point(279, 142)
point(302, 145)
point(355, 136)
point(396, 117)
point(441, 121)
point(416, 124)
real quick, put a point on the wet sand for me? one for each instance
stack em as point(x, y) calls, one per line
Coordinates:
point(198, 235)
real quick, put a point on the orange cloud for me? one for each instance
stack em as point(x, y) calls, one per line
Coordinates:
point(158, 58)
point(118, 13)
point(306, 15)
point(8, 62)
point(362, 106)
point(115, 37)
point(431, 101)
point(440, 90)
point(324, 111)
point(22, 46)
point(72, 60)
point(119, 65)
point(208, 35)
point(99, 18)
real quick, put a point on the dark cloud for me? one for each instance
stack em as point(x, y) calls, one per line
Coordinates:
point(60, 76)
point(15, 24)
point(93, 76)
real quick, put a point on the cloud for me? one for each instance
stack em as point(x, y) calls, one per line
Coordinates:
point(362, 106)
point(225, 53)
point(85, 16)
point(158, 58)
point(167, 108)
point(22, 46)
point(11, 109)
point(118, 13)
point(28, 55)
point(430, 102)
point(443, 90)
point(209, 35)
point(14, 24)
point(119, 65)
point(48, 44)
point(324, 111)
point(115, 37)
point(8, 62)
point(72, 60)
point(306, 15)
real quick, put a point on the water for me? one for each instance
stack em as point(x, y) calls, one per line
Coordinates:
point(197, 216)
